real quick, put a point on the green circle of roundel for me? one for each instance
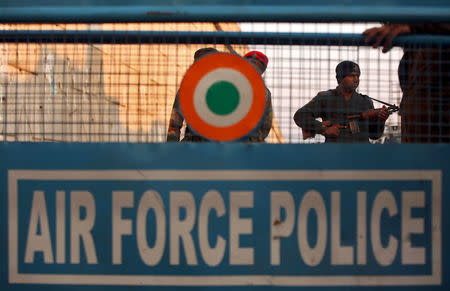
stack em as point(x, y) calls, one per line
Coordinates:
point(222, 98)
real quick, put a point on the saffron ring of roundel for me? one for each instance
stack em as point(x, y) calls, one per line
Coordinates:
point(231, 69)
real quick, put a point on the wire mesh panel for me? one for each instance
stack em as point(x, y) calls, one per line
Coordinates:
point(299, 72)
point(122, 89)
point(93, 92)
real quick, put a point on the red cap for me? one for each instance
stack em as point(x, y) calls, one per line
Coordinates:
point(259, 55)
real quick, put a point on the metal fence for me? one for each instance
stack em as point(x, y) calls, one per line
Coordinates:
point(117, 82)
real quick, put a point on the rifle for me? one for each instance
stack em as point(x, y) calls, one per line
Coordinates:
point(350, 121)
point(344, 123)
point(391, 108)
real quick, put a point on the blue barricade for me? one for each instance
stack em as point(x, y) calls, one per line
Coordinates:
point(234, 216)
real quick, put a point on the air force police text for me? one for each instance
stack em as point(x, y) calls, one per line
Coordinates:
point(290, 225)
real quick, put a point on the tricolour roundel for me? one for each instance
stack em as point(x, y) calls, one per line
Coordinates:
point(222, 97)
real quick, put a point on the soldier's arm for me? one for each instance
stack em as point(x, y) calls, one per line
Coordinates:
point(431, 28)
point(376, 126)
point(305, 117)
point(175, 123)
point(266, 125)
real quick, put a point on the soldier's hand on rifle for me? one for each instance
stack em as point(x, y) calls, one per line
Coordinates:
point(383, 114)
point(333, 130)
point(372, 114)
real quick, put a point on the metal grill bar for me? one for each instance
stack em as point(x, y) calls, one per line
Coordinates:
point(219, 37)
point(320, 11)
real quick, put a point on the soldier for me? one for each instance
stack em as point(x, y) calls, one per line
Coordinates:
point(347, 116)
point(260, 62)
point(176, 118)
point(424, 75)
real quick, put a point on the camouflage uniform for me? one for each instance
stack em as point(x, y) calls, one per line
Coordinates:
point(266, 123)
point(176, 122)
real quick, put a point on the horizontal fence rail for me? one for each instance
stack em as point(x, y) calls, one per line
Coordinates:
point(307, 11)
point(118, 84)
point(219, 37)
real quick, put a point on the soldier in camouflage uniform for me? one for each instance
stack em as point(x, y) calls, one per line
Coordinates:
point(176, 118)
point(259, 61)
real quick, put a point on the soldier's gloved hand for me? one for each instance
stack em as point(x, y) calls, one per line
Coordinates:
point(333, 130)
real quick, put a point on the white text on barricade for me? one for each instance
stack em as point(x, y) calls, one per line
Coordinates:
point(183, 225)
